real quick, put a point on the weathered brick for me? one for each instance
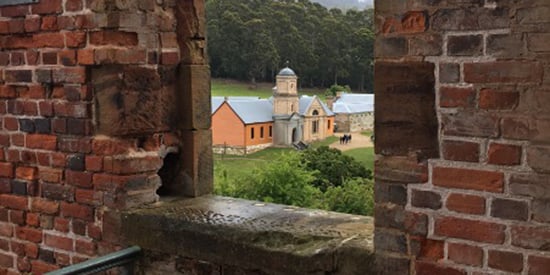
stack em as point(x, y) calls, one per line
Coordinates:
point(451, 97)
point(470, 19)
point(117, 38)
point(479, 231)
point(412, 98)
point(59, 242)
point(469, 123)
point(468, 179)
point(426, 45)
point(532, 185)
point(461, 151)
point(394, 193)
point(504, 154)
point(40, 267)
point(427, 249)
point(538, 42)
point(503, 71)
point(77, 211)
point(449, 73)
point(465, 45)
point(538, 157)
point(6, 170)
point(541, 210)
point(29, 234)
point(538, 265)
point(490, 99)
point(515, 128)
point(465, 254)
point(463, 203)
point(506, 261)
point(14, 202)
point(426, 199)
point(39, 141)
point(394, 46)
point(505, 45)
point(429, 268)
point(79, 179)
point(387, 241)
point(44, 206)
point(57, 192)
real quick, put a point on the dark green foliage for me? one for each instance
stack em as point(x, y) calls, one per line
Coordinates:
point(334, 167)
point(337, 88)
point(252, 40)
point(284, 180)
point(354, 196)
point(293, 179)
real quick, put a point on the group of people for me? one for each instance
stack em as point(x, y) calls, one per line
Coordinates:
point(345, 139)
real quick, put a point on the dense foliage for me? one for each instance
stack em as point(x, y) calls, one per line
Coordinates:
point(333, 166)
point(253, 39)
point(294, 179)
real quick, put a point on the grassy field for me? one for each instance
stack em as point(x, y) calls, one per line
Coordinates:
point(236, 166)
point(363, 155)
point(224, 87)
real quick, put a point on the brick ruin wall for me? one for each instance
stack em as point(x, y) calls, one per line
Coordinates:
point(88, 107)
point(462, 136)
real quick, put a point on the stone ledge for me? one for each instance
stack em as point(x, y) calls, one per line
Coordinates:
point(275, 239)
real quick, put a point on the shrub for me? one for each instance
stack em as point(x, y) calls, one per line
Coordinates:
point(355, 196)
point(333, 167)
point(284, 180)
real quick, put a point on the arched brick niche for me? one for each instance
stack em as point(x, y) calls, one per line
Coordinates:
point(462, 178)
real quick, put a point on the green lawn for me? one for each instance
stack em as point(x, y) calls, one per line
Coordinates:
point(363, 155)
point(224, 87)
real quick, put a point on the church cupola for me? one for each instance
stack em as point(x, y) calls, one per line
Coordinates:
point(287, 82)
point(285, 94)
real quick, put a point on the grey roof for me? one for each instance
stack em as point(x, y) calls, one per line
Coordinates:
point(287, 72)
point(216, 103)
point(354, 103)
point(253, 111)
point(249, 109)
point(306, 101)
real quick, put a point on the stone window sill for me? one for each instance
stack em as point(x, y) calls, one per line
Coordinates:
point(275, 239)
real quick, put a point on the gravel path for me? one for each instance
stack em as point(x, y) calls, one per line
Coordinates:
point(357, 141)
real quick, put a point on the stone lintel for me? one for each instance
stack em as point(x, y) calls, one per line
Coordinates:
point(274, 239)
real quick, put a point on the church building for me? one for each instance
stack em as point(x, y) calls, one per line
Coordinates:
point(242, 125)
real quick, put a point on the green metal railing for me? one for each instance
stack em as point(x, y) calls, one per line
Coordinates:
point(124, 258)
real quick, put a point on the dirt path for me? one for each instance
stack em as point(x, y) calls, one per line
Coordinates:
point(357, 141)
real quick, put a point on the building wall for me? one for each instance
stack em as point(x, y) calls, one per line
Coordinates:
point(462, 140)
point(87, 97)
point(323, 130)
point(227, 128)
point(354, 122)
point(258, 139)
point(286, 105)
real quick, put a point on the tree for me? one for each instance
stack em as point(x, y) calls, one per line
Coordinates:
point(334, 168)
point(284, 180)
point(252, 39)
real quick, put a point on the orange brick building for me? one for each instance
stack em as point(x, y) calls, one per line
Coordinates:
point(242, 125)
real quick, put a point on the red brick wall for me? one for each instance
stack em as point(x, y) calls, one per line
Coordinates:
point(86, 89)
point(462, 177)
point(258, 139)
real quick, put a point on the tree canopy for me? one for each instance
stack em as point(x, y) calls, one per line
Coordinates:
point(252, 39)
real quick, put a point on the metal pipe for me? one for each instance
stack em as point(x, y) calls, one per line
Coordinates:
point(124, 258)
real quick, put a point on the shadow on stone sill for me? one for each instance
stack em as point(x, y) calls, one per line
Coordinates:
point(270, 238)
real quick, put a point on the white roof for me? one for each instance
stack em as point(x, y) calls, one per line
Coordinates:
point(249, 109)
point(306, 101)
point(354, 103)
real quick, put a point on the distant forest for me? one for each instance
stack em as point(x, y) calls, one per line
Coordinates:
point(344, 4)
point(252, 40)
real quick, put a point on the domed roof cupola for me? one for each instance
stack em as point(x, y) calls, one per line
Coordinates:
point(287, 72)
